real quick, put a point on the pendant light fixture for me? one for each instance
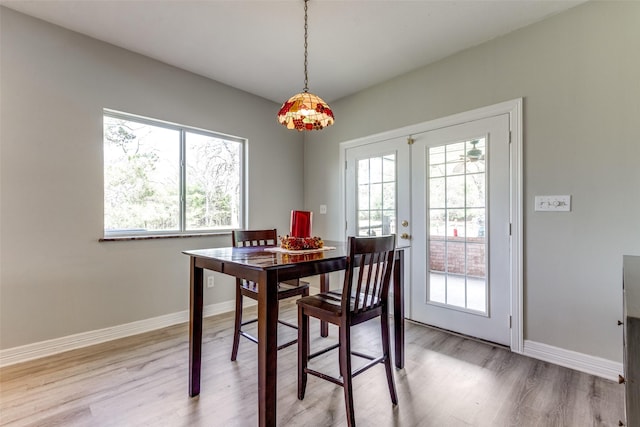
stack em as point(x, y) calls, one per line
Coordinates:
point(305, 111)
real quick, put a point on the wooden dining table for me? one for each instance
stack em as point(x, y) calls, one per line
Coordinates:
point(262, 265)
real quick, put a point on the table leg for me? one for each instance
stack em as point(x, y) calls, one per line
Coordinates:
point(324, 287)
point(195, 328)
point(398, 308)
point(267, 347)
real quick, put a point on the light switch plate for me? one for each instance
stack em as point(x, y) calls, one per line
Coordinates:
point(553, 203)
point(323, 209)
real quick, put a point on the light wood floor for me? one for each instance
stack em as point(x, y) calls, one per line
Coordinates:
point(447, 381)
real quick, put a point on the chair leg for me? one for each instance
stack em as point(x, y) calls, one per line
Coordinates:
point(386, 348)
point(303, 351)
point(237, 323)
point(345, 370)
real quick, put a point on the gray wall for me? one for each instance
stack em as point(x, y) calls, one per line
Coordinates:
point(56, 279)
point(579, 75)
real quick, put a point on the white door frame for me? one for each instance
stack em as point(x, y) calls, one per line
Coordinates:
point(514, 109)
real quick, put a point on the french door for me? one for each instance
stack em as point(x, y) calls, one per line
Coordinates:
point(461, 232)
point(450, 190)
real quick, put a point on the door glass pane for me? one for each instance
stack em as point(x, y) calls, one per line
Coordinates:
point(363, 220)
point(475, 224)
point(437, 224)
point(363, 172)
point(437, 170)
point(438, 289)
point(455, 258)
point(455, 191)
point(375, 169)
point(437, 194)
point(363, 196)
point(375, 225)
point(475, 190)
point(376, 203)
point(455, 160)
point(389, 195)
point(389, 168)
point(375, 196)
point(457, 226)
point(475, 260)
point(455, 288)
point(455, 223)
point(476, 294)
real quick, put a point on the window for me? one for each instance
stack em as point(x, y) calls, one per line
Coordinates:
point(163, 178)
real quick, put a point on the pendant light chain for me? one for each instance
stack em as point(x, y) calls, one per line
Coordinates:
point(306, 30)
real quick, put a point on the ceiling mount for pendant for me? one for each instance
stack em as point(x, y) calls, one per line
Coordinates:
point(305, 110)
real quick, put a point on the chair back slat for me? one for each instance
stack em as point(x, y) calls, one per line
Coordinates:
point(245, 238)
point(358, 303)
point(368, 273)
point(370, 268)
point(376, 260)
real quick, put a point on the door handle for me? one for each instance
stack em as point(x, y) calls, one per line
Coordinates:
point(405, 236)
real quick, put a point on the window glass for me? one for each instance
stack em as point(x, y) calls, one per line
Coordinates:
point(212, 182)
point(162, 178)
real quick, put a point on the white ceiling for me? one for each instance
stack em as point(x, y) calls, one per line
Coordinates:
point(257, 46)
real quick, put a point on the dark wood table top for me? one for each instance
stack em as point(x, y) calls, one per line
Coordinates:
point(270, 257)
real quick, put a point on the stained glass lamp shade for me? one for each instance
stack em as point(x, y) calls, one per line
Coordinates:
point(305, 111)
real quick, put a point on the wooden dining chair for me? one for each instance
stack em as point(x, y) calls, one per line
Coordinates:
point(245, 288)
point(364, 296)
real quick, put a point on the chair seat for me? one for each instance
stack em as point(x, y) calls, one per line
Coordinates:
point(327, 305)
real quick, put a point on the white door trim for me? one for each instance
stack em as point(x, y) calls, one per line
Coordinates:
point(514, 109)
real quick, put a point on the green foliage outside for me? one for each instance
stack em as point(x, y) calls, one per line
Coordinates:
point(143, 179)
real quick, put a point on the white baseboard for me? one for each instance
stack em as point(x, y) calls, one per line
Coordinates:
point(579, 361)
point(24, 353)
point(37, 350)
point(571, 359)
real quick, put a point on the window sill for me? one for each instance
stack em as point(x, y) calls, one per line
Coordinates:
point(160, 236)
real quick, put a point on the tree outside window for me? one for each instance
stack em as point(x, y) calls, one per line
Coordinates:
point(163, 178)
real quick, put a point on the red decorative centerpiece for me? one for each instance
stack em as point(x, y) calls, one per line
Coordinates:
point(299, 237)
point(300, 243)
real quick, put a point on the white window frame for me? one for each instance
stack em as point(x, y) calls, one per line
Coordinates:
point(182, 231)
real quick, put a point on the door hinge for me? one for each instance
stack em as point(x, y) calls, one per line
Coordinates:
point(410, 141)
point(510, 323)
point(509, 137)
point(345, 165)
point(509, 229)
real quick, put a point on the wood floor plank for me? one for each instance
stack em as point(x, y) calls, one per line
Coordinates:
point(448, 380)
